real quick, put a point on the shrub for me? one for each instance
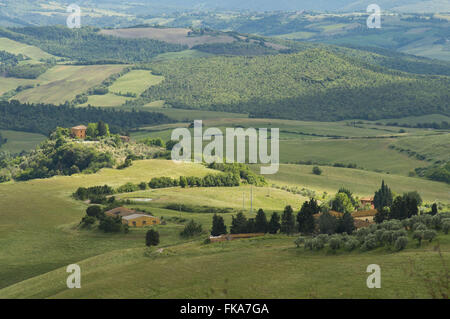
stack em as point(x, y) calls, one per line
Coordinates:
point(87, 221)
point(308, 244)
point(419, 226)
point(401, 243)
point(323, 238)
point(128, 188)
point(94, 211)
point(419, 235)
point(317, 244)
point(191, 229)
point(370, 242)
point(152, 238)
point(445, 226)
point(429, 235)
point(335, 243)
point(387, 237)
point(111, 225)
point(300, 240)
point(351, 244)
point(316, 170)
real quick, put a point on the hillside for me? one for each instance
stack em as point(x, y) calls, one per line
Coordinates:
point(311, 85)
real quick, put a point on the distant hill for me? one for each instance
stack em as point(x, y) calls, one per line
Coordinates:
point(315, 84)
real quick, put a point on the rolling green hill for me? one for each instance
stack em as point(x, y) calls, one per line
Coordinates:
point(311, 85)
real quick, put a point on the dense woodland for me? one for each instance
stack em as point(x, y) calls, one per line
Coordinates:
point(311, 85)
point(44, 118)
point(86, 44)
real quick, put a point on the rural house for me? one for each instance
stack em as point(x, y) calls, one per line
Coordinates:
point(140, 220)
point(79, 131)
point(367, 200)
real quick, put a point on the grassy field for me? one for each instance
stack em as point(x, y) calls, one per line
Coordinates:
point(63, 82)
point(268, 267)
point(171, 35)
point(15, 47)
point(8, 84)
point(361, 182)
point(136, 81)
point(39, 239)
point(325, 142)
point(20, 141)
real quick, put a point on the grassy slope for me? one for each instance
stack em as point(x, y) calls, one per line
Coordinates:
point(20, 48)
point(64, 82)
point(296, 145)
point(267, 267)
point(136, 81)
point(36, 234)
point(359, 181)
point(20, 141)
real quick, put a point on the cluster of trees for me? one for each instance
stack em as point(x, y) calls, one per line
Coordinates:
point(314, 84)
point(27, 71)
point(393, 234)
point(210, 180)
point(94, 192)
point(440, 173)
point(241, 170)
point(304, 222)
point(444, 125)
point(107, 224)
point(87, 44)
point(44, 118)
point(400, 207)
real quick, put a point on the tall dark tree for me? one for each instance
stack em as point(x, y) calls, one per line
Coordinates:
point(305, 218)
point(434, 209)
point(102, 128)
point(274, 223)
point(404, 207)
point(251, 226)
point(152, 238)
point(238, 224)
point(261, 225)
point(383, 197)
point(218, 226)
point(94, 211)
point(328, 224)
point(287, 221)
point(346, 224)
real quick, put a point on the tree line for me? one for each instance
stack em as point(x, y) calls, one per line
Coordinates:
point(44, 118)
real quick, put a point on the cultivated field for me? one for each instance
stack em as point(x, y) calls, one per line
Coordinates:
point(171, 35)
point(63, 82)
point(136, 81)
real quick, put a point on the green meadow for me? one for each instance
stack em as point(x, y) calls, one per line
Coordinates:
point(40, 238)
point(63, 82)
point(369, 146)
point(30, 51)
point(20, 141)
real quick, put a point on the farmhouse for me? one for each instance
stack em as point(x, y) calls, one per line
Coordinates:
point(367, 200)
point(140, 220)
point(79, 131)
point(120, 211)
